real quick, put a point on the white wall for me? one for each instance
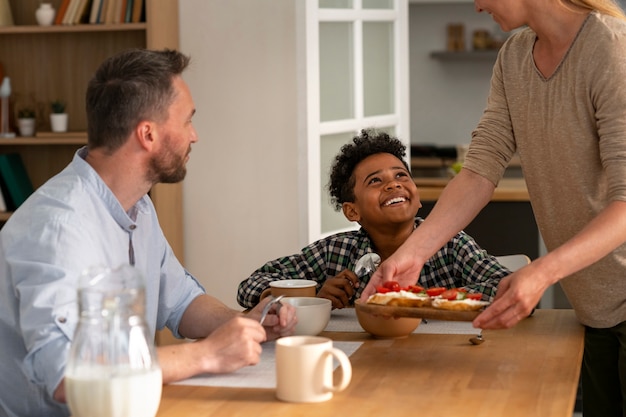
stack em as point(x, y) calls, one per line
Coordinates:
point(240, 195)
point(447, 98)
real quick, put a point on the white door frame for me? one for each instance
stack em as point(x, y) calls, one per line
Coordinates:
point(311, 187)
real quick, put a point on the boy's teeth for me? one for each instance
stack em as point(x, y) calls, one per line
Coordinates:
point(395, 200)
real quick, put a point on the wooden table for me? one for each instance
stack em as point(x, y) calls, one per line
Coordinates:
point(530, 370)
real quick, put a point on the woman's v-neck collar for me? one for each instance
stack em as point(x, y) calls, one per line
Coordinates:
point(564, 58)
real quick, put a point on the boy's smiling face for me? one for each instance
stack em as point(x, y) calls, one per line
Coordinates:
point(384, 193)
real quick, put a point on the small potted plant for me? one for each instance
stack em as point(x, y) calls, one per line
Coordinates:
point(26, 121)
point(58, 117)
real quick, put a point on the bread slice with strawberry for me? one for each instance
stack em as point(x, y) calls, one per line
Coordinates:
point(391, 294)
point(458, 299)
point(455, 299)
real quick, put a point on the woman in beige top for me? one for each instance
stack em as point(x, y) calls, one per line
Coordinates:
point(558, 99)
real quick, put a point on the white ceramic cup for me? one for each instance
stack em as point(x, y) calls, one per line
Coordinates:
point(304, 369)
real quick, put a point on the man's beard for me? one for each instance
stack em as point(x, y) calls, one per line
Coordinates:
point(167, 167)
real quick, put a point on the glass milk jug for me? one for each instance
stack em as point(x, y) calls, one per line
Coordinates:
point(112, 370)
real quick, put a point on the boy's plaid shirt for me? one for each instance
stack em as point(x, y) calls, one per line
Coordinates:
point(460, 263)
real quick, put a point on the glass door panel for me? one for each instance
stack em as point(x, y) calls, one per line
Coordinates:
point(378, 4)
point(336, 71)
point(378, 68)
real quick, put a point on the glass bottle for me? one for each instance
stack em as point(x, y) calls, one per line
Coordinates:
point(112, 370)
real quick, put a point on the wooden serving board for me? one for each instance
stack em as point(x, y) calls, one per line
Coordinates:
point(418, 312)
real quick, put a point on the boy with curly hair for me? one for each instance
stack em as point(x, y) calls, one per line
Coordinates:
point(372, 184)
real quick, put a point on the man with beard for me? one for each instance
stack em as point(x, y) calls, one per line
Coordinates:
point(97, 212)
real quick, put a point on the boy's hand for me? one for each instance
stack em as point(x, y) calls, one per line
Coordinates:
point(340, 289)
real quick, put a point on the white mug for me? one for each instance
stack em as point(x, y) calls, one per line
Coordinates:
point(304, 369)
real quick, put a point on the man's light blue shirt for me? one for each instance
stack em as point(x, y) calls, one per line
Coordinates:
point(71, 223)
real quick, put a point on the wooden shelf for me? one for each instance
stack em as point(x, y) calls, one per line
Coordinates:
point(20, 141)
point(487, 55)
point(57, 139)
point(34, 29)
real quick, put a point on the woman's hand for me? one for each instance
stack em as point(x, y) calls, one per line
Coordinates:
point(400, 267)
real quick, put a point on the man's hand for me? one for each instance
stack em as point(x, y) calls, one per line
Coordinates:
point(59, 392)
point(226, 339)
point(340, 289)
point(276, 325)
point(233, 345)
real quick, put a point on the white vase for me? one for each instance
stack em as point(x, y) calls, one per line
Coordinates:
point(26, 126)
point(45, 14)
point(58, 122)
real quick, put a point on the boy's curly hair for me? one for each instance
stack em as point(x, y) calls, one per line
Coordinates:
point(369, 142)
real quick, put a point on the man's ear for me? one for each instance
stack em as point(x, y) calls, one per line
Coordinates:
point(145, 134)
point(351, 212)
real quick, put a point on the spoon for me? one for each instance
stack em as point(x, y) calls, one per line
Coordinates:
point(366, 264)
point(267, 307)
point(478, 339)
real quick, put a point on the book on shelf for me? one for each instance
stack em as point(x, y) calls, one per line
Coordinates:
point(70, 12)
point(103, 10)
point(120, 12)
point(128, 13)
point(96, 8)
point(115, 14)
point(82, 13)
point(61, 12)
point(138, 11)
point(110, 12)
point(14, 180)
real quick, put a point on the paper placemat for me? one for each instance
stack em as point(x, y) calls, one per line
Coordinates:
point(261, 375)
point(344, 320)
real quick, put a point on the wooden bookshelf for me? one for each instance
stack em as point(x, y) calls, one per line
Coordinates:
point(50, 62)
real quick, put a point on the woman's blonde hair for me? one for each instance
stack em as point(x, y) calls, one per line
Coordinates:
point(608, 7)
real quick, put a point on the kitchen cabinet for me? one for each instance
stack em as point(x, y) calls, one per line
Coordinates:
point(502, 228)
point(56, 62)
point(506, 226)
